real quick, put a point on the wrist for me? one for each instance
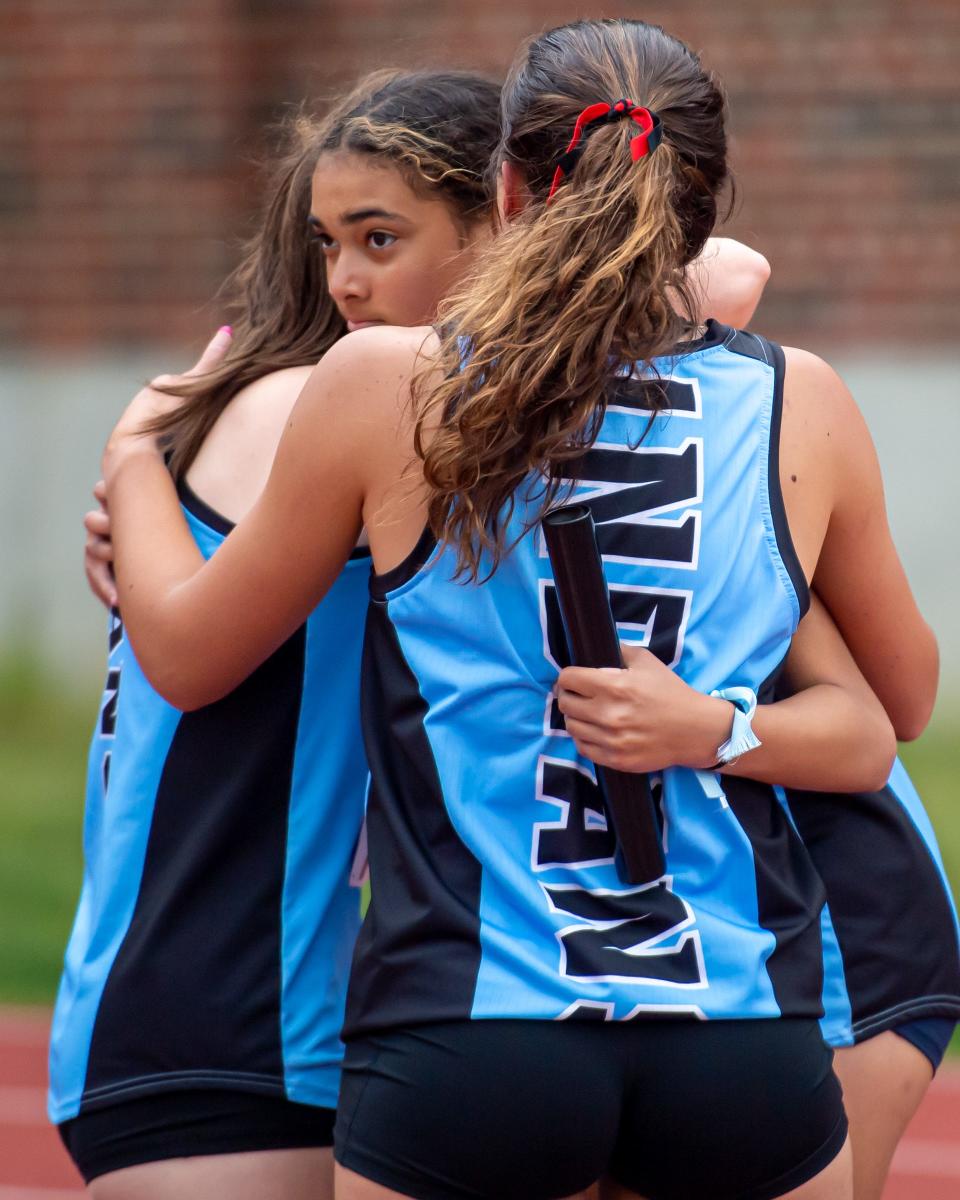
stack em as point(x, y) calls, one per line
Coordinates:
point(742, 737)
point(711, 729)
point(124, 448)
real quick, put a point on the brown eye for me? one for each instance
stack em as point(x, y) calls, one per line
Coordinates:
point(379, 239)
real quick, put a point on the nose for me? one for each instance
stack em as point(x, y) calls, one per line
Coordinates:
point(347, 279)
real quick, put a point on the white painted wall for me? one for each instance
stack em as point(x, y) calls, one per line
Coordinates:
point(54, 417)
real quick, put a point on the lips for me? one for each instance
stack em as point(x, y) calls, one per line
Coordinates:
point(353, 326)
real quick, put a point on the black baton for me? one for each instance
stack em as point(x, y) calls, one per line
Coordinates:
point(593, 642)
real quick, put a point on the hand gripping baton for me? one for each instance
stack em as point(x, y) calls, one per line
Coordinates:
point(593, 642)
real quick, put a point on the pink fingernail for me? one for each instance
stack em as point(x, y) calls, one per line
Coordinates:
point(228, 329)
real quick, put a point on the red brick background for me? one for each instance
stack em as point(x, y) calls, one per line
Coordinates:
point(128, 130)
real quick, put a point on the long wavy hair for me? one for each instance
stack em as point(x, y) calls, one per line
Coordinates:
point(439, 128)
point(574, 291)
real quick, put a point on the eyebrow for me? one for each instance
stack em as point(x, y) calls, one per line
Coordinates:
point(357, 215)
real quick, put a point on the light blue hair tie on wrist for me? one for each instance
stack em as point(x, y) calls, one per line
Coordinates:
point(742, 738)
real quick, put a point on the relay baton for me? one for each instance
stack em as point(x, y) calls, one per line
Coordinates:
point(593, 642)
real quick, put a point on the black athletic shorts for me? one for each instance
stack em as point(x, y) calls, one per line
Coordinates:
point(185, 1124)
point(532, 1110)
point(930, 1035)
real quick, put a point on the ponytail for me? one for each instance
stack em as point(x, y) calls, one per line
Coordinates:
point(575, 291)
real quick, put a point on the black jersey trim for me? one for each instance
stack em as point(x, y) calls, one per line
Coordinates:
point(202, 510)
point(778, 511)
point(923, 1007)
point(752, 345)
point(714, 334)
point(387, 581)
point(220, 524)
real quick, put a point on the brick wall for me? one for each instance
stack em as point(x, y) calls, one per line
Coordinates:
point(127, 130)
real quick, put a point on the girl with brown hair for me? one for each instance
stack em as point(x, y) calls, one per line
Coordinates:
point(521, 1023)
point(195, 1046)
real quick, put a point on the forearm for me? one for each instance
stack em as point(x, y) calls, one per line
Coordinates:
point(901, 663)
point(829, 736)
point(822, 739)
point(728, 278)
point(154, 553)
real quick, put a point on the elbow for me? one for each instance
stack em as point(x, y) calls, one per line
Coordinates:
point(877, 759)
point(913, 703)
point(753, 275)
point(185, 698)
point(909, 727)
point(181, 691)
point(191, 684)
point(912, 714)
point(760, 271)
point(179, 672)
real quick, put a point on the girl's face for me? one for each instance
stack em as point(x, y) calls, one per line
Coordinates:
point(391, 254)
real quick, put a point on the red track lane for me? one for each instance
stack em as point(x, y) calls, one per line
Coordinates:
point(34, 1166)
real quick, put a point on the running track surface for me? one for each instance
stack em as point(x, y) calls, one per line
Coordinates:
point(34, 1166)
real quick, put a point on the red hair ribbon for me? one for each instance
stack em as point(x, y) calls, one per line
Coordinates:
point(645, 142)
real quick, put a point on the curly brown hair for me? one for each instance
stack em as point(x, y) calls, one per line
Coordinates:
point(575, 291)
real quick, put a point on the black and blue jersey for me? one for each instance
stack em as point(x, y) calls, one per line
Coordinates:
point(495, 891)
point(890, 933)
point(213, 937)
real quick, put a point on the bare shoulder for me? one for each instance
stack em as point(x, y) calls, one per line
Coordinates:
point(279, 389)
point(376, 364)
point(819, 413)
point(827, 457)
point(234, 461)
point(814, 387)
point(261, 409)
point(359, 395)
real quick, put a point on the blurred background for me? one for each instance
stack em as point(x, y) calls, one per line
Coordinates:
point(129, 137)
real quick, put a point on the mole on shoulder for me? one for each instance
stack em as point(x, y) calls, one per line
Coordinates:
point(793, 479)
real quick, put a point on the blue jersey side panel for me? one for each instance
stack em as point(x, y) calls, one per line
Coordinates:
point(326, 810)
point(837, 1020)
point(902, 787)
point(116, 831)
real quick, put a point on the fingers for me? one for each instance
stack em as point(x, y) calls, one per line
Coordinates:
point(599, 737)
point(597, 681)
point(99, 549)
point(635, 657)
point(587, 709)
point(597, 751)
point(97, 522)
point(589, 681)
point(215, 350)
point(99, 572)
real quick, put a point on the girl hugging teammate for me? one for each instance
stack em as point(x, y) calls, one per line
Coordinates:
point(520, 1023)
